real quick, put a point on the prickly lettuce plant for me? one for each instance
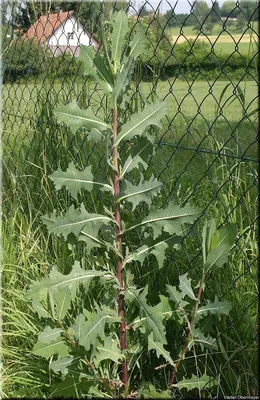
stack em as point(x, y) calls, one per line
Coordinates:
point(98, 320)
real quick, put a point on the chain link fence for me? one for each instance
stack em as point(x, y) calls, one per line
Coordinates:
point(202, 59)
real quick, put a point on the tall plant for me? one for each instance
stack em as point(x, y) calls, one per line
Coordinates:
point(98, 319)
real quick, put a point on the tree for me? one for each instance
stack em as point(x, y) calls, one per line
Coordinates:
point(201, 10)
point(250, 9)
point(240, 23)
point(229, 9)
point(216, 12)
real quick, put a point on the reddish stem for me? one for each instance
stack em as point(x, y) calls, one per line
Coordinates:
point(184, 349)
point(121, 305)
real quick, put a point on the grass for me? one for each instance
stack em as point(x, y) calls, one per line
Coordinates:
point(188, 162)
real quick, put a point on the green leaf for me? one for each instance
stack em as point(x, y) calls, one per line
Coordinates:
point(204, 341)
point(170, 219)
point(185, 287)
point(74, 221)
point(217, 307)
point(122, 80)
point(208, 232)
point(49, 334)
point(70, 387)
point(151, 115)
point(160, 350)
point(90, 326)
point(144, 191)
point(137, 43)
point(75, 118)
point(52, 289)
point(153, 321)
point(176, 296)
point(220, 247)
point(46, 350)
point(110, 350)
point(157, 248)
point(148, 391)
point(195, 382)
point(139, 154)
point(95, 67)
point(120, 28)
point(75, 180)
point(61, 365)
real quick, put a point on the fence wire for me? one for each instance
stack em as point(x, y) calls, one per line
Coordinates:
point(204, 64)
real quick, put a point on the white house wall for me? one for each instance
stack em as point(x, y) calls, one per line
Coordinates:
point(61, 36)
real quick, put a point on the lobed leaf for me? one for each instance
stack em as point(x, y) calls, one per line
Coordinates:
point(157, 248)
point(62, 364)
point(160, 350)
point(75, 118)
point(58, 290)
point(74, 221)
point(195, 382)
point(122, 80)
point(137, 43)
point(177, 296)
point(90, 326)
point(75, 180)
point(199, 338)
point(139, 154)
point(151, 115)
point(94, 66)
point(185, 287)
point(144, 191)
point(120, 29)
point(153, 321)
point(110, 350)
point(170, 220)
point(46, 350)
point(217, 307)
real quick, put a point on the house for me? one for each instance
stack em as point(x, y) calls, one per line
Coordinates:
point(60, 33)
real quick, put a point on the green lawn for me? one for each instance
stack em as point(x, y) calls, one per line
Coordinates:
point(192, 106)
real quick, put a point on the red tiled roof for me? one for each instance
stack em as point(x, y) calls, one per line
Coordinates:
point(46, 25)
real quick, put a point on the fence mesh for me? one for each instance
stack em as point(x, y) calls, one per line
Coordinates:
point(202, 59)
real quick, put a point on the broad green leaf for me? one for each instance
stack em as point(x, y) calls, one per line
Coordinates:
point(103, 69)
point(62, 364)
point(144, 191)
point(151, 115)
point(122, 80)
point(90, 326)
point(137, 43)
point(185, 287)
point(110, 350)
point(160, 350)
point(75, 118)
point(157, 248)
point(49, 334)
point(176, 296)
point(74, 180)
point(171, 219)
point(95, 68)
point(51, 289)
point(204, 341)
point(204, 382)
point(163, 308)
point(70, 385)
point(153, 321)
point(208, 232)
point(217, 307)
point(46, 350)
point(120, 28)
point(74, 221)
point(220, 247)
point(139, 154)
point(150, 392)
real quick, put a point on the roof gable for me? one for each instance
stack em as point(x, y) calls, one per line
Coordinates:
point(46, 26)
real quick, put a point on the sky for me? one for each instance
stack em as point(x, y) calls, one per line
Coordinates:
point(182, 6)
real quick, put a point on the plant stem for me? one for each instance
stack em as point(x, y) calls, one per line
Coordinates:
point(121, 306)
point(184, 349)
